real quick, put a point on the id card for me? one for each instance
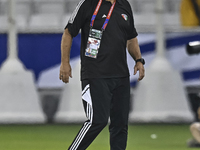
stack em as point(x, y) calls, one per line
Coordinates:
point(93, 43)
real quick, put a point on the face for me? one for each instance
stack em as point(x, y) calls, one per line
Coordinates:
point(112, 1)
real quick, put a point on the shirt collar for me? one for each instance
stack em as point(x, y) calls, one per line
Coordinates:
point(118, 1)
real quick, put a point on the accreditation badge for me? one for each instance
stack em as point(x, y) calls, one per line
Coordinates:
point(93, 43)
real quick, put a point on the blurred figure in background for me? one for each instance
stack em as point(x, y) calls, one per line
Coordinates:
point(195, 131)
point(194, 103)
point(190, 12)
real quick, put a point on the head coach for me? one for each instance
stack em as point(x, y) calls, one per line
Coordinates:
point(107, 29)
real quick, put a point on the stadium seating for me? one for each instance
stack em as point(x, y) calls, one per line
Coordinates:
point(44, 21)
point(51, 14)
point(49, 7)
point(23, 13)
point(3, 22)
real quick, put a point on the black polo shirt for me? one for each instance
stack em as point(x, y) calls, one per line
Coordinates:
point(111, 60)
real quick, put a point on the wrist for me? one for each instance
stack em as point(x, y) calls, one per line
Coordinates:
point(141, 60)
point(65, 61)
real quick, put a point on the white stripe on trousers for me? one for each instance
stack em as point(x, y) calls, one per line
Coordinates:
point(81, 135)
point(89, 113)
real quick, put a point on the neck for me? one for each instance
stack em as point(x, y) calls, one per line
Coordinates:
point(112, 1)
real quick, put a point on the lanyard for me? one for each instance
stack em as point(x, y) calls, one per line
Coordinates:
point(107, 18)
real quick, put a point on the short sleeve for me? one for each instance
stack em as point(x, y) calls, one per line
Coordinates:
point(132, 30)
point(77, 19)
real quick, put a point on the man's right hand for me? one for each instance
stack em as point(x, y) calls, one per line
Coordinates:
point(65, 72)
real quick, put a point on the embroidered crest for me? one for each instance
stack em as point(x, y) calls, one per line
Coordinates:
point(125, 17)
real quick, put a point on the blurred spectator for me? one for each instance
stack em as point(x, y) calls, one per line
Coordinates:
point(195, 131)
point(194, 103)
point(190, 12)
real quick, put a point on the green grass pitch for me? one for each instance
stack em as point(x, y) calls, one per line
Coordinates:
point(59, 137)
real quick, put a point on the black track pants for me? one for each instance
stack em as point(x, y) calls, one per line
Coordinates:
point(104, 98)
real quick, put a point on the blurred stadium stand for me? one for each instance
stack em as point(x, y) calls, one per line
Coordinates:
point(52, 16)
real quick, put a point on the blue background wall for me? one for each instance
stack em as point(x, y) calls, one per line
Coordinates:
point(38, 51)
point(41, 51)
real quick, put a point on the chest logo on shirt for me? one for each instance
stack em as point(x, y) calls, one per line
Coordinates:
point(104, 16)
point(125, 17)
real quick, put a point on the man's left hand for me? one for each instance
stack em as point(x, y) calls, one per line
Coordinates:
point(139, 67)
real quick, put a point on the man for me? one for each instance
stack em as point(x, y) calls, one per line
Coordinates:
point(107, 27)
